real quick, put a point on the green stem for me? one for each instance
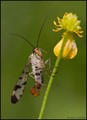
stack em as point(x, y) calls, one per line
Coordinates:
point(51, 79)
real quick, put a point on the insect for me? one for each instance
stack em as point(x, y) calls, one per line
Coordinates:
point(37, 66)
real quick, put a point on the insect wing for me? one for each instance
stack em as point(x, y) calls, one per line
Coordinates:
point(20, 86)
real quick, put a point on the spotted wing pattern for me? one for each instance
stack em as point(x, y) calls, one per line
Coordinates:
point(20, 86)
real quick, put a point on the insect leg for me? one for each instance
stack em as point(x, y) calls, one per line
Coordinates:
point(48, 60)
point(56, 83)
point(49, 77)
point(31, 75)
point(43, 50)
point(47, 73)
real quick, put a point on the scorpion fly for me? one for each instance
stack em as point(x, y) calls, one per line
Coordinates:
point(37, 66)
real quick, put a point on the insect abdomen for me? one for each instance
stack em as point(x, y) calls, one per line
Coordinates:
point(38, 77)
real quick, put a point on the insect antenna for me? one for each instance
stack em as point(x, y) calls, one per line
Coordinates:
point(23, 38)
point(41, 30)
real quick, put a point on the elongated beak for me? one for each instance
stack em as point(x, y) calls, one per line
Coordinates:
point(37, 51)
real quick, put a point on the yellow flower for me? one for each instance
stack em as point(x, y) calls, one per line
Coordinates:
point(70, 48)
point(71, 24)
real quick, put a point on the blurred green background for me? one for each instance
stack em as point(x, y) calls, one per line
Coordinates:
point(26, 18)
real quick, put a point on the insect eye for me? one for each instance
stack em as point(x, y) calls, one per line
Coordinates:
point(34, 50)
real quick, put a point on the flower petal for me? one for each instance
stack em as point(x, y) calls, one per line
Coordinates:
point(70, 48)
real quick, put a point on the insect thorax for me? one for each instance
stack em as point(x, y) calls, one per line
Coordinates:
point(37, 61)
